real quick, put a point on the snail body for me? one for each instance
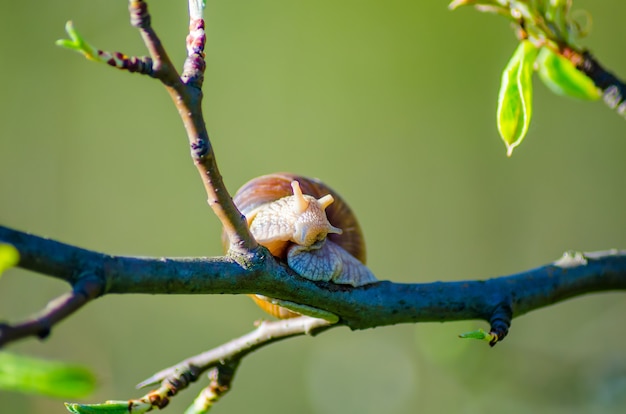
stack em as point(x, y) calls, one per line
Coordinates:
point(306, 224)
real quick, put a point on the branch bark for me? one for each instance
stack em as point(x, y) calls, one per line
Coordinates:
point(233, 351)
point(186, 93)
point(86, 288)
point(383, 303)
point(613, 89)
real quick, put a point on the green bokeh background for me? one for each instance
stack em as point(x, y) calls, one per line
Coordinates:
point(390, 102)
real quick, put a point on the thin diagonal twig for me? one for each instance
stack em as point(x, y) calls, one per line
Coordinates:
point(88, 287)
point(222, 362)
point(265, 334)
point(186, 93)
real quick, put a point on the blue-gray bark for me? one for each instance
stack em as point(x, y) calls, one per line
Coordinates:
point(378, 304)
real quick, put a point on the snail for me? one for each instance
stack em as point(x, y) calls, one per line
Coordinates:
point(306, 224)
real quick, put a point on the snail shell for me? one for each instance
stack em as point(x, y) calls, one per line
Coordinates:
point(305, 223)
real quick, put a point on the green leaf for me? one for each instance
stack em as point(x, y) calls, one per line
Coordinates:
point(110, 407)
point(39, 376)
point(515, 96)
point(78, 43)
point(479, 334)
point(9, 257)
point(561, 76)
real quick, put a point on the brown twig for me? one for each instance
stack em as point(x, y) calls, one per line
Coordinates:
point(265, 334)
point(222, 363)
point(186, 94)
point(88, 287)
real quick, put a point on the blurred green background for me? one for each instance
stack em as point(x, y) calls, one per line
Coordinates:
point(390, 102)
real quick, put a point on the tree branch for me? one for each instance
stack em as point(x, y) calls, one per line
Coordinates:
point(222, 362)
point(496, 300)
point(613, 89)
point(233, 351)
point(186, 93)
point(87, 287)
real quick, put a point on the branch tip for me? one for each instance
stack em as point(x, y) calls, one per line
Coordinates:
point(196, 9)
point(500, 322)
point(139, 16)
point(221, 377)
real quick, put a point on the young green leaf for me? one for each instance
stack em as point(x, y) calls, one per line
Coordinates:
point(77, 42)
point(38, 376)
point(479, 334)
point(561, 76)
point(515, 96)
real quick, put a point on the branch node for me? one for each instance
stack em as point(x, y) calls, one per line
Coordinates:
point(500, 322)
point(199, 148)
point(89, 285)
point(184, 378)
point(195, 64)
point(221, 377)
point(45, 330)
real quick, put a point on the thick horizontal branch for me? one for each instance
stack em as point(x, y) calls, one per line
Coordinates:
point(382, 303)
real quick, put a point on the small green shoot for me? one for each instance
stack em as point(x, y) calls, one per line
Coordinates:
point(78, 43)
point(478, 334)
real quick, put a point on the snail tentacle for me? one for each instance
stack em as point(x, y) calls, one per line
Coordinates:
point(301, 202)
